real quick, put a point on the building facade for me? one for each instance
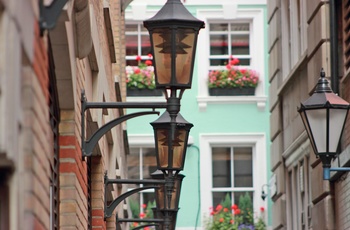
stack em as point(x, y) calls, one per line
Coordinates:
point(299, 46)
point(45, 183)
point(229, 143)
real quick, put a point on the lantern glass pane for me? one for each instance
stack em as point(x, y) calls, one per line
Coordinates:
point(178, 146)
point(184, 44)
point(336, 122)
point(306, 125)
point(162, 143)
point(318, 125)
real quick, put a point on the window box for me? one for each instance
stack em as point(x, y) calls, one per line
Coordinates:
point(135, 92)
point(244, 91)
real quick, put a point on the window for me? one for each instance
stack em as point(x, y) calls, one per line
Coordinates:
point(298, 196)
point(229, 39)
point(141, 164)
point(240, 35)
point(4, 200)
point(137, 43)
point(232, 173)
point(54, 122)
point(233, 165)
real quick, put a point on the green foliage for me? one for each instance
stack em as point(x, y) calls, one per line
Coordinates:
point(235, 217)
point(246, 206)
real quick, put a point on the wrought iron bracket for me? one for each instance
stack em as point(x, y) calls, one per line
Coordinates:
point(87, 146)
point(149, 184)
point(49, 14)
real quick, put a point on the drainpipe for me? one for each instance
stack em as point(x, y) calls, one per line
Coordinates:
point(334, 46)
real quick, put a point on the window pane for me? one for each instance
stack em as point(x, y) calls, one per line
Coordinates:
point(218, 27)
point(133, 161)
point(131, 63)
point(146, 45)
point(131, 45)
point(221, 167)
point(240, 44)
point(220, 197)
point(217, 62)
point(218, 44)
point(149, 162)
point(130, 27)
point(243, 167)
point(240, 26)
point(240, 195)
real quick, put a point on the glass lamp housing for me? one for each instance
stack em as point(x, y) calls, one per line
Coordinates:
point(173, 33)
point(324, 115)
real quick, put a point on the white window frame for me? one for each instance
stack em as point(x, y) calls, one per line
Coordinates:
point(258, 143)
point(257, 46)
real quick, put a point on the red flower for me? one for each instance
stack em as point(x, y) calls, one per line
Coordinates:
point(225, 209)
point(228, 66)
point(232, 221)
point(234, 207)
point(138, 58)
point(150, 56)
point(148, 62)
point(237, 212)
point(144, 205)
point(142, 215)
point(135, 224)
point(221, 220)
point(212, 213)
point(137, 70)
point(219, 207)
point(262, 209)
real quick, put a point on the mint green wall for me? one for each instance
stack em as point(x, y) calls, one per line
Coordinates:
point(218, 118)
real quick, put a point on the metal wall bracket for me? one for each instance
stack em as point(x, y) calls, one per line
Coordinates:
point(149, 184)
point(49, 14)
point(87, 146)
point(327, 171)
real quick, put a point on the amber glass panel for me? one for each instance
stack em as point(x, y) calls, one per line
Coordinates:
point(185, 39)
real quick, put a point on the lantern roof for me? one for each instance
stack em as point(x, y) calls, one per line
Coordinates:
point(173, 11)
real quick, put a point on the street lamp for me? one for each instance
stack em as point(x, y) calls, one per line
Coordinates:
point(324, 115)
point(173, 34)
point(171, 145)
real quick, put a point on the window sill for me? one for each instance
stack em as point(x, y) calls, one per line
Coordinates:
point(203, 101)
point(148, 98)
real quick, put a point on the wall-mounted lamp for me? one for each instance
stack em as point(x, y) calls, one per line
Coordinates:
point(324, 115)
point(173, 34)
point(263, 194)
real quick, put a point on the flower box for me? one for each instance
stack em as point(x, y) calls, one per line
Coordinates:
point(244, 91)
point(233, 80)
point(135, 92)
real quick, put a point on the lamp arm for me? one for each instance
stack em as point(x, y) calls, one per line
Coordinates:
point(109, 208)
point(327, 171)
point(90, 144)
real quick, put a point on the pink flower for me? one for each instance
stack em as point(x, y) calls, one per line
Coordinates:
point(221, 220)
point(150, 56)
point(225, 209)
point(142, 215)
point(144, 205)
point(138, 58)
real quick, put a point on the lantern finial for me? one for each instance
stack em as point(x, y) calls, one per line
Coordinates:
point(323, 84)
